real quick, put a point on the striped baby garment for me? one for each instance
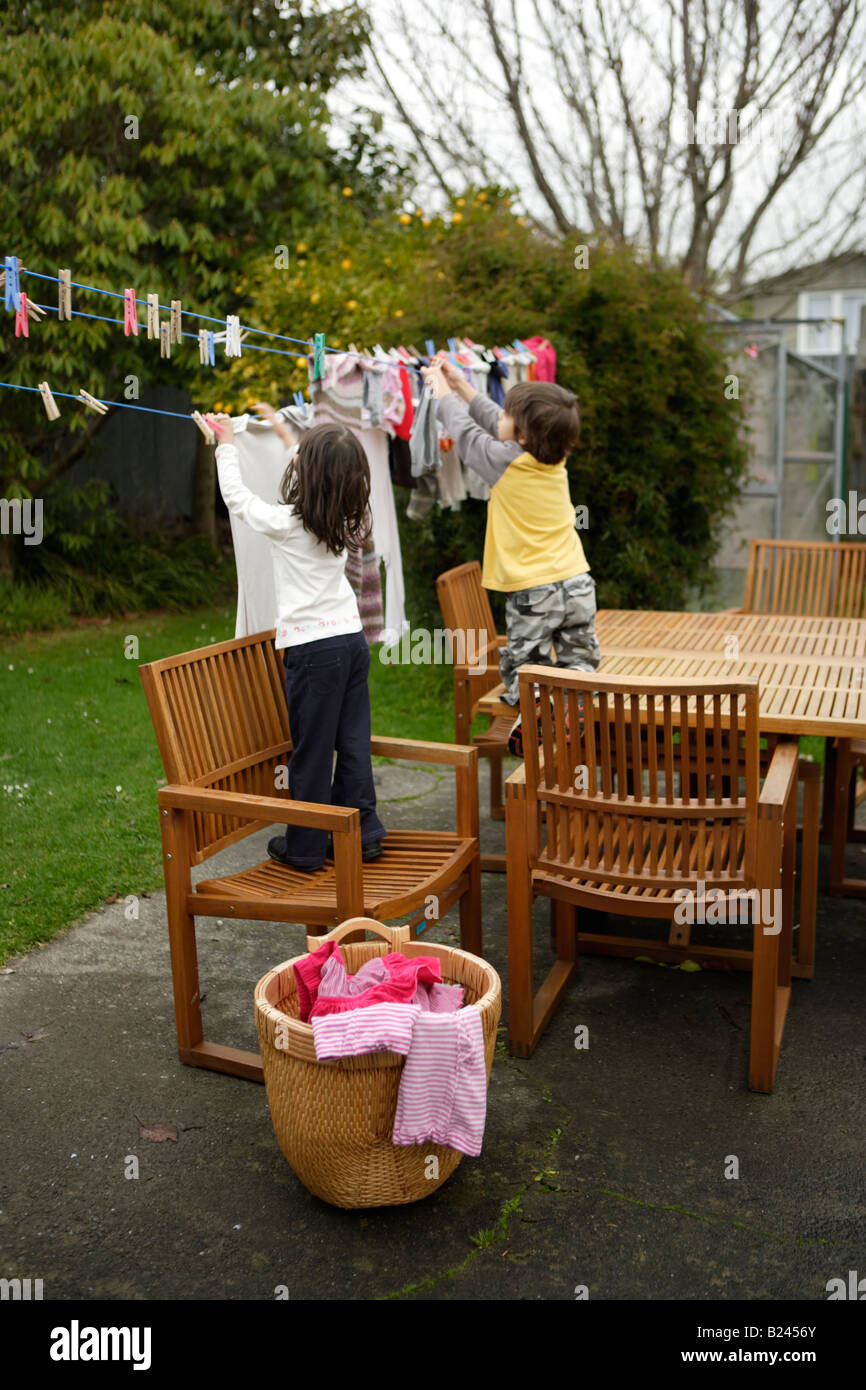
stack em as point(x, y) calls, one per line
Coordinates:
point(443, 1089)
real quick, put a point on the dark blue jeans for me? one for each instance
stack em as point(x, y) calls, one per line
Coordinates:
point(329, 711)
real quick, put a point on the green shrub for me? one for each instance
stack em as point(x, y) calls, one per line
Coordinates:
point(661, 458)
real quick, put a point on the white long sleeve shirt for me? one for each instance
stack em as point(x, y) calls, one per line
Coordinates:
point(314, 597)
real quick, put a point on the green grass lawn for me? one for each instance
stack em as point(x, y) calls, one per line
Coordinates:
point(79, 767)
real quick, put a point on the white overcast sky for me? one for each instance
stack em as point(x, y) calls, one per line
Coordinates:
point(445, 91)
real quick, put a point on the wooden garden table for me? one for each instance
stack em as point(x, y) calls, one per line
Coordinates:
point(812, 671)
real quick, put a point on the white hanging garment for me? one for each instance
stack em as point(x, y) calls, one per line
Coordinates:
point(263, 458)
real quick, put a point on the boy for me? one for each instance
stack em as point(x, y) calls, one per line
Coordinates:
point(532, 552)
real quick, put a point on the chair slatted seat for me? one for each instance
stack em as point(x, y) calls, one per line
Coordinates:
point(222, 726)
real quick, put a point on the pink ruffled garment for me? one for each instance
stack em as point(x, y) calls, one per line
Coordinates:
point(545, 352)
point(325, 987)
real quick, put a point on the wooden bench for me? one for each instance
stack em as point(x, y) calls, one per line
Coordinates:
point(222, 726)
point(630, 813)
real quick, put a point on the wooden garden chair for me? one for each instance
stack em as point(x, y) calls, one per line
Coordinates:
point(221, 723)
point(825, 579)
point(630, 814)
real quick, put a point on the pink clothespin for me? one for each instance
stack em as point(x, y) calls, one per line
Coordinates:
point(214, 424)
point(751, 350)
point(130, 314)
point(22, 325)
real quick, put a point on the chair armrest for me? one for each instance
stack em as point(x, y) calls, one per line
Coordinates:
point(780, 781)
point(423, 751)
point(269, 809)
point(517, 777)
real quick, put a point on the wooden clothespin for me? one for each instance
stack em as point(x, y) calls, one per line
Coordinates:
point(165, 340)
point(153, 316)
point(34, 311)
point(51, 408)
point(210, 437)
point(86, 399)
point(64, 294)
point(176, 325)
point(130, 314)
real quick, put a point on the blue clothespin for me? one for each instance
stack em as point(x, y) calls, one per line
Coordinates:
point(452, 348)
point(13, 287)
point(318, 356)
point(518, 344)
point(298, 398)
point(431, 347)
point(211, 355)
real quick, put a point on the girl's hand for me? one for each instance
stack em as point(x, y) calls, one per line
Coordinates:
point(224, 428)
point(266, 411)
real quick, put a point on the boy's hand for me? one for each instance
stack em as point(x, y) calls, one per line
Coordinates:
point(435, 381)
point(452, 374)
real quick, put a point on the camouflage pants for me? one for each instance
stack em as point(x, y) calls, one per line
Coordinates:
point(561, 615)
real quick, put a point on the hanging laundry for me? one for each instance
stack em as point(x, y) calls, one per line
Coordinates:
point(545, 354)
point(363, 573)
point(496, 381)
point(424, 438)
point(400, 462)
point(338, 397)
point(372, 402)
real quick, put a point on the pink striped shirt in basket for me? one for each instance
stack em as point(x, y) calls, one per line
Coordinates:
point(443, 1088)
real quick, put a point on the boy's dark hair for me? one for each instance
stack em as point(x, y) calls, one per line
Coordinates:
point(328, 484)
point(547, 417)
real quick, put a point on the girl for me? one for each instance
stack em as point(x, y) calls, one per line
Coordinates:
point(325, 504)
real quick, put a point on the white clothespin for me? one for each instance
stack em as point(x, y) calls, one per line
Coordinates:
point(51, 409)
point(165, 340)
point(153, 316)
point(86, 399)
point(64, 294)
point(210, 437)
point(176, 324)
point(233, 336)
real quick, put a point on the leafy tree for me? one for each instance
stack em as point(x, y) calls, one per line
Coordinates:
point(170, 147)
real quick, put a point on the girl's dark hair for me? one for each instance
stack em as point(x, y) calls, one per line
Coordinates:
point(328, 484)
point(547, 417)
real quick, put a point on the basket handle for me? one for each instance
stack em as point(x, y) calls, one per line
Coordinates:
point(395, 936)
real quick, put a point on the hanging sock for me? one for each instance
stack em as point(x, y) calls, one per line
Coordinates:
point(130, 314)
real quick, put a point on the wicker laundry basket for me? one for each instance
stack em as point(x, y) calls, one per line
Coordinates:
point(334, 1120)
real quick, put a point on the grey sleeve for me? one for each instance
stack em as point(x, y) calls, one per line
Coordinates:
point(479, 450)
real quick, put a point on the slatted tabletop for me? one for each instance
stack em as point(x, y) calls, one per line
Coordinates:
point(812, 671)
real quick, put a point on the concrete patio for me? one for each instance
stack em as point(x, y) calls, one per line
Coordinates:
point(602, 1168)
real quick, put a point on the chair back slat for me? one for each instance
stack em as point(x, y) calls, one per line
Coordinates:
point(221, 721)
point(818, 579)
point(647, 793)
point(464, 602)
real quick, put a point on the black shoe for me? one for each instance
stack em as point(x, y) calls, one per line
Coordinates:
point(277, 851)
point(371, 851)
